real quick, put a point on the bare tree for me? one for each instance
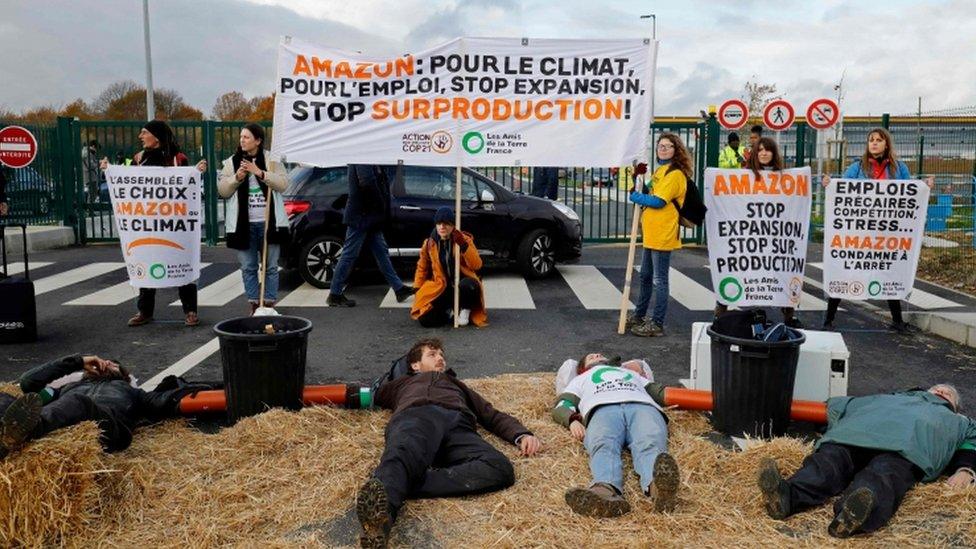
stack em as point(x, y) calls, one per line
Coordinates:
point(757, 95)
point(113, 93)
point(233, 106)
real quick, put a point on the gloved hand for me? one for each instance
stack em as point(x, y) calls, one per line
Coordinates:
point(641, 169)
point(459, 239)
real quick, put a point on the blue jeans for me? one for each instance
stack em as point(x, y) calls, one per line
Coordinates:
point(355, 238)
point(640, 427)
point(249, 260)
point(654, 272)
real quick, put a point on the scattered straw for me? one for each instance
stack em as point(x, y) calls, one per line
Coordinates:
point(289, 480)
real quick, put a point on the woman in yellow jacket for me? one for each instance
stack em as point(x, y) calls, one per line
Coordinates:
point(659, 220)
point(434, 301)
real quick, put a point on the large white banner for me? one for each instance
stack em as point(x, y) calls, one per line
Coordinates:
point(757, 230)
point(872, 237)
point(470, 101)
point(157, 214)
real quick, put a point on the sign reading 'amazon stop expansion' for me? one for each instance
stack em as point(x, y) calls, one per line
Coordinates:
point(470, 102)
point(157, 214)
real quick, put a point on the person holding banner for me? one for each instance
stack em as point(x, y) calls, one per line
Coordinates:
point(766, 157)
point(879, 162)
point(160, 149)
point(246, 231)
point(433, 305)
point(659, 220)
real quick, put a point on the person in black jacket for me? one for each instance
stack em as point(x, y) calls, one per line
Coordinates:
point(95, 389)
point(367, 211)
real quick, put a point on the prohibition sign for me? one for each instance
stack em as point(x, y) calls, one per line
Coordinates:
point(778, 115)
point(733, 114)
point(18, 147)
point(822, 113)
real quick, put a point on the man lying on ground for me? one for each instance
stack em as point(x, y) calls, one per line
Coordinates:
point(432, 447)
point(90, 388)
point(608, 407)
point(874, 450)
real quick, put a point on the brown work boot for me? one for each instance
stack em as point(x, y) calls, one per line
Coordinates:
point(373, 510)
point(19, 420)
point(632, 320)
point(252, 306)
point(139, 320)
point(664, 488)
point(192, 319)
point(599, 500)
point(648, 328)
point(853, 513)
point(775, 491)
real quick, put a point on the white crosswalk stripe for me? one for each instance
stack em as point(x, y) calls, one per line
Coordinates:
point(594, 291)
point(219, 293)
point(113, 295)
point(918, 298)
point(73, 276)
point(502, 291)
point(305, 295)
point(19, 268)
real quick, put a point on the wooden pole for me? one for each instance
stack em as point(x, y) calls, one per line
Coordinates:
point(457, 249)
point(264, 247)
point(629, 273)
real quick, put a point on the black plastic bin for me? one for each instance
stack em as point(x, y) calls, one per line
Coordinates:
point(262, 370)
point(752, 384)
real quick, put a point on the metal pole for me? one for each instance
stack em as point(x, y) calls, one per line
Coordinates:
point(150, 100)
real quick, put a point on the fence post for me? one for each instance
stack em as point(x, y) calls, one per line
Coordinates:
point(921, 155)
point(66, 167)
point(712, 145)
point(210, 185)
point(885, 120)
point(801, 141)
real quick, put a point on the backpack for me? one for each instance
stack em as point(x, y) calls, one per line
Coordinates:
point(398, 369)
point(692, 212)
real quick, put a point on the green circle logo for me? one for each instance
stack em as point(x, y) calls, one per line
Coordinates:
point(473, 142)
point(874, 288)
point(157, 271)
point(598, 375)
point(723, 289)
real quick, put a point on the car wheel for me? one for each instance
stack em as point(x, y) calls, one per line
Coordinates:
point(536, 256)
point(317, 260)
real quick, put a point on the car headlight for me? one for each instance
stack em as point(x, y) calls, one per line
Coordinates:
point(565, 210)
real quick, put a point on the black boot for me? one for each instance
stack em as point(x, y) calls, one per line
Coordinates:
point(339, 300)
point(373, 509)
point(19, 421)
point(854, 512)
point(775, 491)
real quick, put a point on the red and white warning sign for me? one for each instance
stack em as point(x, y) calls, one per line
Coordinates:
point(778, 115)
point(18, 147)
point(823, 113)
point(733, 114)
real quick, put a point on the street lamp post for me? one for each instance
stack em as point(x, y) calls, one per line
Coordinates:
point(653, 19)
point(150, 100)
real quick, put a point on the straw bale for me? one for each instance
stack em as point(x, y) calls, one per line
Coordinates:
point(285, 479)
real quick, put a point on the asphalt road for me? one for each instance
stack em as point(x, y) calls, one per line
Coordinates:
point(358, 344)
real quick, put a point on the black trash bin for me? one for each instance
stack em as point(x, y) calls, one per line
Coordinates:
point(262, 370)
point(752, 383)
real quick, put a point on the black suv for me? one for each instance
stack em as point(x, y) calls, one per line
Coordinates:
point(533, 233)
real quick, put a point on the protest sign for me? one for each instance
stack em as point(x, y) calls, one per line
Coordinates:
point(757, 231)
point(468, 102)
point(157, 214)
point(872, 236)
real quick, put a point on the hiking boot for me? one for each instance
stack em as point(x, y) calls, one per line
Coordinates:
point(828, 327)
point(599, 500)
point(632, 320)
point(373, 510)
point(339, 300)
point(252, 306)
point(853, 513)
point(404, 293)
point(902, 328)
point(19, 420)
point(793, 322)
point(139, 320)
point(775, 490)
point(464, 317)
point(192, 319)
point(664, 489)
point(648, 328)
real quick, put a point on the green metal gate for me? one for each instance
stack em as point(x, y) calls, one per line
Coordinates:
point(33, 192)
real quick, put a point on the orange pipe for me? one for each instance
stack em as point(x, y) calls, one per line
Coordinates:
point(690, 399)
point(215, 401)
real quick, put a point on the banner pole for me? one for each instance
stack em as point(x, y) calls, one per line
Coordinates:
point(457, 249)
point(629, 273)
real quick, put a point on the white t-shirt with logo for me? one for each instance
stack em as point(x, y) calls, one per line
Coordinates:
point(256, 200)
point(608, 385)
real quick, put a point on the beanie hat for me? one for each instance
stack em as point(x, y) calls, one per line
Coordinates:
point(733, 136)
point(444, 214)
point(160, 131)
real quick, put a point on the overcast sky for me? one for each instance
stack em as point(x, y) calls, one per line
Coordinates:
point(893, 51)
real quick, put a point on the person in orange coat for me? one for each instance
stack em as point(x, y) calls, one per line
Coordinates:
point(433, 303)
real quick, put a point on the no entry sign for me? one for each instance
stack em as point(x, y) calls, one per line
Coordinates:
point(823, 113)
point(778, 115)
point(733, 114)
point(18, 148)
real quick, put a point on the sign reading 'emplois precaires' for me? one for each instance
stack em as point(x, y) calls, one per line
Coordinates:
point(470, 101)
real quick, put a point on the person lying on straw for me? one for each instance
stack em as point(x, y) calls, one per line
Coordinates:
point(78, 388)
point(608, 406)
point(874, 450)
point(432, 447)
